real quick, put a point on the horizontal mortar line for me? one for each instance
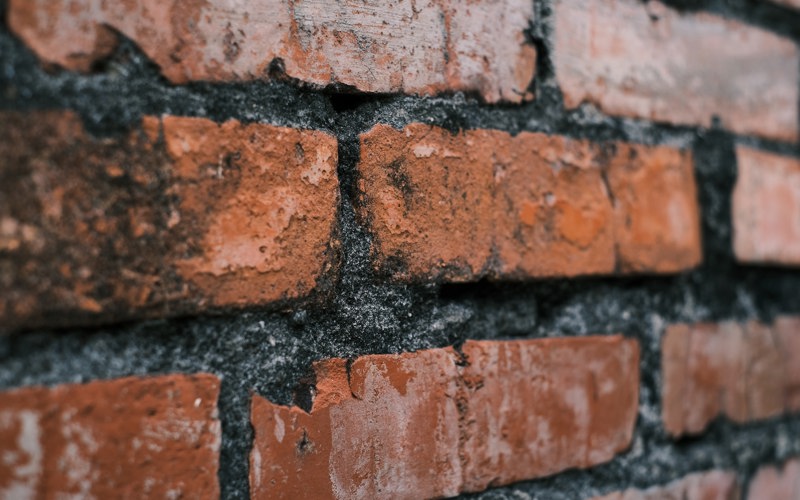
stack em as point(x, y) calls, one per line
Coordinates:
point(668, 132)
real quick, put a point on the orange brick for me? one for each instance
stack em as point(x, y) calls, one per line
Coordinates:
point(483, 203)
point(771, 483)
point(131, 437)
point(427, 424)
point(739, 371)
point(645, 60)
point(420, 47)
point(713, 485)
point(766, 208)
point(182, 215)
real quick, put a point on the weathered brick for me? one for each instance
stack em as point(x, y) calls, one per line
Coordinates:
point(179, 216)
point(766, 208)
point(483, 203)
point(771, 483)
point(787, 333)
point(712, 485)
point(423, 47)
point(436, 422)
point(126, 438)
point(739, 371)
point(644, 60)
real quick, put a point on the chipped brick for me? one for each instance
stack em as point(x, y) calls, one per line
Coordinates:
point(436, 422)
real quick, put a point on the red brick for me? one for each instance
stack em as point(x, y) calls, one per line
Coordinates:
point(787, 335)
point(421, 47)
point(771, 483)
point(126, 438)
point(766, 204)
point(431, 423)
point(713, 485)
point(644, 60)
point(483, 203)
point(182, 215)
point(739, 371)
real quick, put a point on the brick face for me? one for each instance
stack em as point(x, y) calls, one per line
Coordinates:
point(483, 203)
point(432, 423)
point(766, 204)
point(126, 438)
point(772, 483)
point(422, 47)
point(181, 215)
point(743, 371)
point(713, 485)
point(644, 60)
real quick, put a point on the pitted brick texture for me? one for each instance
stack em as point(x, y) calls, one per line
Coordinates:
point(424, 47)
point(713, 485)
point(483, 203)
point(766, 208)
point(434, 423)
point(773, 483)
point(745, 372)
point(644, 60)
point(182, 215)
point(126, 438)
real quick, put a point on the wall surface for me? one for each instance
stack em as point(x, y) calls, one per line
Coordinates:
point(539, 249)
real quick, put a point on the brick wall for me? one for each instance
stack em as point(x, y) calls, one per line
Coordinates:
point(515, 249)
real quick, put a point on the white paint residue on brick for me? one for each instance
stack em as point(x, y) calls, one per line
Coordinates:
point(26, 461)
point(280, 428)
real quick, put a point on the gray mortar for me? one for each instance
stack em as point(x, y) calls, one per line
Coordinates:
point(268, 351)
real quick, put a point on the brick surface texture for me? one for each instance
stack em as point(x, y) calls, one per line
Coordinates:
point(645, 60)
point(745, 372)
point(766, 208)
point(126, 438)
point(713, 485)
point(773, 483)
point(182, 215)
point(438, 422)
point(483, 203)
point(385, 46)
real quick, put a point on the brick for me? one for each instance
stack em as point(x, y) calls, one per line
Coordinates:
point(766, 204)
point(181, 215)
point(478, 203)
point(645, 60)
point(435, 423)
point(127, 438)
point(742, 371)
point(421, 47)
point(712, 485)
point(771, 483)
point(787, 334)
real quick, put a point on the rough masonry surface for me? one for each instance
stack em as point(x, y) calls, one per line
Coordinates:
point(423, 47)
point(182, 215)
point(438, 422)
point(131, 438)
point(459, 206)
